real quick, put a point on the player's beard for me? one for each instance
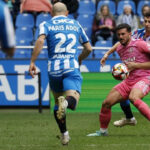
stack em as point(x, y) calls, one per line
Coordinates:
point(126, 41)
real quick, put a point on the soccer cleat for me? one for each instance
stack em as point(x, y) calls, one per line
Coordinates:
point(98, 133)
point(61, 107)
point(65, 139)
point(124, 121)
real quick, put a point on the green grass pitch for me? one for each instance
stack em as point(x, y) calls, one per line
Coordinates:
point(29, 130)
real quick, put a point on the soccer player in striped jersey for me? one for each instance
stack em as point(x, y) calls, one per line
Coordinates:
point(7, 37)
point(144, 34)
point(63, 36)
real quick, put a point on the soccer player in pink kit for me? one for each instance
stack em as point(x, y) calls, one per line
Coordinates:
point(136, 86)
point(144, 34)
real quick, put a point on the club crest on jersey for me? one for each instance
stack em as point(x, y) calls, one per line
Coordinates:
point(63, 21)
point(131, 50)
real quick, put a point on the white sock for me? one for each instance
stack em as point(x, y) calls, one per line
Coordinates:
point(66, 133)
point(133, 118)
point(66, 103)
point(103, 130)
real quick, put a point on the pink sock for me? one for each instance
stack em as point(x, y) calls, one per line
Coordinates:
point(105, 117)
point(143, 108)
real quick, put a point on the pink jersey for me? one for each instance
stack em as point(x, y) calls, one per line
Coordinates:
point(136, 51)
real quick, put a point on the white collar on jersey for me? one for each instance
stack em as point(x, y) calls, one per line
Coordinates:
point(59, 16)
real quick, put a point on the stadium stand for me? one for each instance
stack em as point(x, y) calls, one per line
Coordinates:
point(36, 36)
point(86, 22)
point(23, 53)
point(116, 55)
point(85, 19)
point(88, 30)
point(121, 5)
point(111, 5)
point(22, 43)
point(104, 43)
point(100, 53)
point(25, 23)
point(71, 16)
point(86, 7)
point(42, 17)
point(24, 20)
point(24, 33)
point(43, 54)
point(2, 55)
point(141, 3)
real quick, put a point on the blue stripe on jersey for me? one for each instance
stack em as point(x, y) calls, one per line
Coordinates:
point(63, 37)
point(7, 37)
point(139, 34)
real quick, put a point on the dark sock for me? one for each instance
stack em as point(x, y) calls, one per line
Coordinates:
point(127, 111)
point(71, 102)
point(61, 122)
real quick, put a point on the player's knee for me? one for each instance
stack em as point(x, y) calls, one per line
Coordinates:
point(133, 98)
point(106, 104)
point(72, 102)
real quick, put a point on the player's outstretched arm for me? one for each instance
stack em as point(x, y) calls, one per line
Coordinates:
point(87, 49)
point(104, 58)
point(37, 49)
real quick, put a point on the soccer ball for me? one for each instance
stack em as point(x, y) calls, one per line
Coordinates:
point(120, 71)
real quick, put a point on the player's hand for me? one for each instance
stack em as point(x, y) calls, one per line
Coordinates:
point(102, 61)
point(131, 65)
point(32, 70)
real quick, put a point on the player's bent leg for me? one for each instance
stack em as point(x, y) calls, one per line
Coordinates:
point(72, 97)
point(61, 122)
point(62, 126)
point(129, 120)
point(70, 101)
point(105, 114)
point(62, 103)
point(135, 96)
point(125, 106)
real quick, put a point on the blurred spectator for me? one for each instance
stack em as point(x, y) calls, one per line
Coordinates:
point(35, 6)
point(128, 17)
point(145, 9)
point(14, 7)
point(103, 25)
point(10, 5)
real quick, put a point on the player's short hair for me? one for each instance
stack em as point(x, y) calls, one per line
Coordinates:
point(147, 14)
point(122, 26)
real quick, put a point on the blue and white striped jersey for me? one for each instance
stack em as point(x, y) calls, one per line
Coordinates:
point(139, 34)
point(7, 36)
point(63, 36)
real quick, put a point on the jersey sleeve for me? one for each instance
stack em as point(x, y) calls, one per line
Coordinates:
point(83, 37)
point(134, 34)
point(7, 35)
point(43, 29)
point(143, 46)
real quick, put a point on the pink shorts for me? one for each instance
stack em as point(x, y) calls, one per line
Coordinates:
point(124, 88)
